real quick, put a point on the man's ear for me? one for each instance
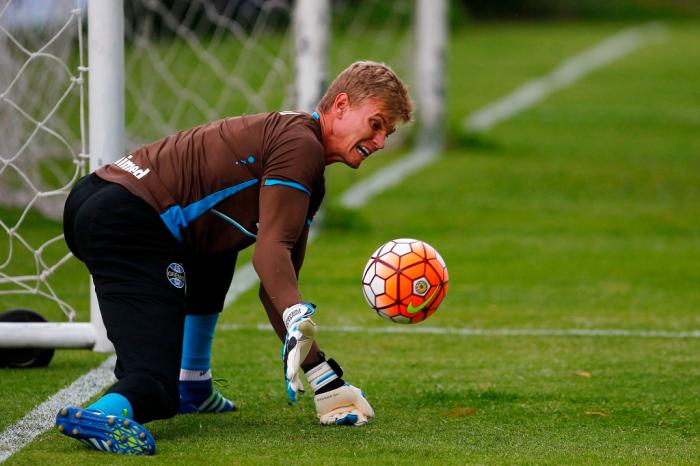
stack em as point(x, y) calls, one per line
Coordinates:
point(341, 104)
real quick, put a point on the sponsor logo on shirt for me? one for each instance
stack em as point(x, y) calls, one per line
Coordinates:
point(248, 160)
point(176, 275)
point(127, 165)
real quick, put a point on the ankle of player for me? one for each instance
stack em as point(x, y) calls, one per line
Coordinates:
point(192, 375)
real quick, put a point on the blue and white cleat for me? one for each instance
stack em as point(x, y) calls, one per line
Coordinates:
point(191, 402)
point(114, 434)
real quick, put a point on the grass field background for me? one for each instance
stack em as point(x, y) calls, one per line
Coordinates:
point(582, 212)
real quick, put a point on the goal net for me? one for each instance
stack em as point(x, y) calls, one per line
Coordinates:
point(42, 148)
point(185, 62)
point(189, 62)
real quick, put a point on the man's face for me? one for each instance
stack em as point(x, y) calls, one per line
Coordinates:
point(355, 131)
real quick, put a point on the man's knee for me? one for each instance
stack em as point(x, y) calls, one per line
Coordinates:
point(151, 396)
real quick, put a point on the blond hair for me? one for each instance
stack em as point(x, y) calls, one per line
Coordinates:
point(371, 80)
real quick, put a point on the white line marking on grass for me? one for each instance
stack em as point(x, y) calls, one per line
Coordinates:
point(503, 332)
point(566, 74)
point(42, 418)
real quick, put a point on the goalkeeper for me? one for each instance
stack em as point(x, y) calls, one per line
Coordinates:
point(160, 229)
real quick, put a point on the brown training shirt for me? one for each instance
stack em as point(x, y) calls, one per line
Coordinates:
point(233, 182)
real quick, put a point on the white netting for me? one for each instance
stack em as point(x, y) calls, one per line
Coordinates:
point(373, 30)
point(42, 141)
point(187, 62)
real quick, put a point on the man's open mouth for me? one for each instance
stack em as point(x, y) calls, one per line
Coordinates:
point(362, 150)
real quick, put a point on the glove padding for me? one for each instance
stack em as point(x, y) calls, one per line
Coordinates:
point(344, 406)
point(301, 331)
point(294, 387)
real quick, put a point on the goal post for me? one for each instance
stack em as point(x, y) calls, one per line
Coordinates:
point(106, 110)
point(311, 22)
point(106, 144)
point(236, 61)
point(430, 69)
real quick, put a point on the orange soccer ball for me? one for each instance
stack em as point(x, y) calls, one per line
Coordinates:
point(405, 280)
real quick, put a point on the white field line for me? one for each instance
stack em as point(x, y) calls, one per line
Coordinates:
point(42, 418)
point(16, 436)
point(491, 332)
point(566, 74)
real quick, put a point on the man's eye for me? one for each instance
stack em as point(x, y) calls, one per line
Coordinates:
point(376, 125)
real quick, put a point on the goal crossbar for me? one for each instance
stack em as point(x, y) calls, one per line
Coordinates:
point(48, 335)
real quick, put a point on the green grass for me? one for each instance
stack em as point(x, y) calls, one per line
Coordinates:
point(530, 406)
point(582, 212)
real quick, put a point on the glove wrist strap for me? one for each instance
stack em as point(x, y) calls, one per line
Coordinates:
point(323, 374)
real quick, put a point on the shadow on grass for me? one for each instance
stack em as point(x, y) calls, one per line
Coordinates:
point(460, 139)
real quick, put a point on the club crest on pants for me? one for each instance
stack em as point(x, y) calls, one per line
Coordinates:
point(176, 275)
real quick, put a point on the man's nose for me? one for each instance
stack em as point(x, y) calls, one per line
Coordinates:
point(379, 140)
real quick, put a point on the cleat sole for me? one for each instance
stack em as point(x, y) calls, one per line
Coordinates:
point(105, 433)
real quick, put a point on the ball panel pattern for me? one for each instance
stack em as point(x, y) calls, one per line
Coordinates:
point(405, 280)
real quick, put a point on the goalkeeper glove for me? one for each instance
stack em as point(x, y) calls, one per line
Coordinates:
point(337, 402)
point(300, 336)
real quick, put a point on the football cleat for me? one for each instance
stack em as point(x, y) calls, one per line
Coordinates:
point(102, 432)
point(192, 402)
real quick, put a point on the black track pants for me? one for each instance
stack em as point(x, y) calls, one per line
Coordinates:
point(145, 284)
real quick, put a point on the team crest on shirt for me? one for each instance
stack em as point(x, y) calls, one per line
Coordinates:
point(176, 275)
